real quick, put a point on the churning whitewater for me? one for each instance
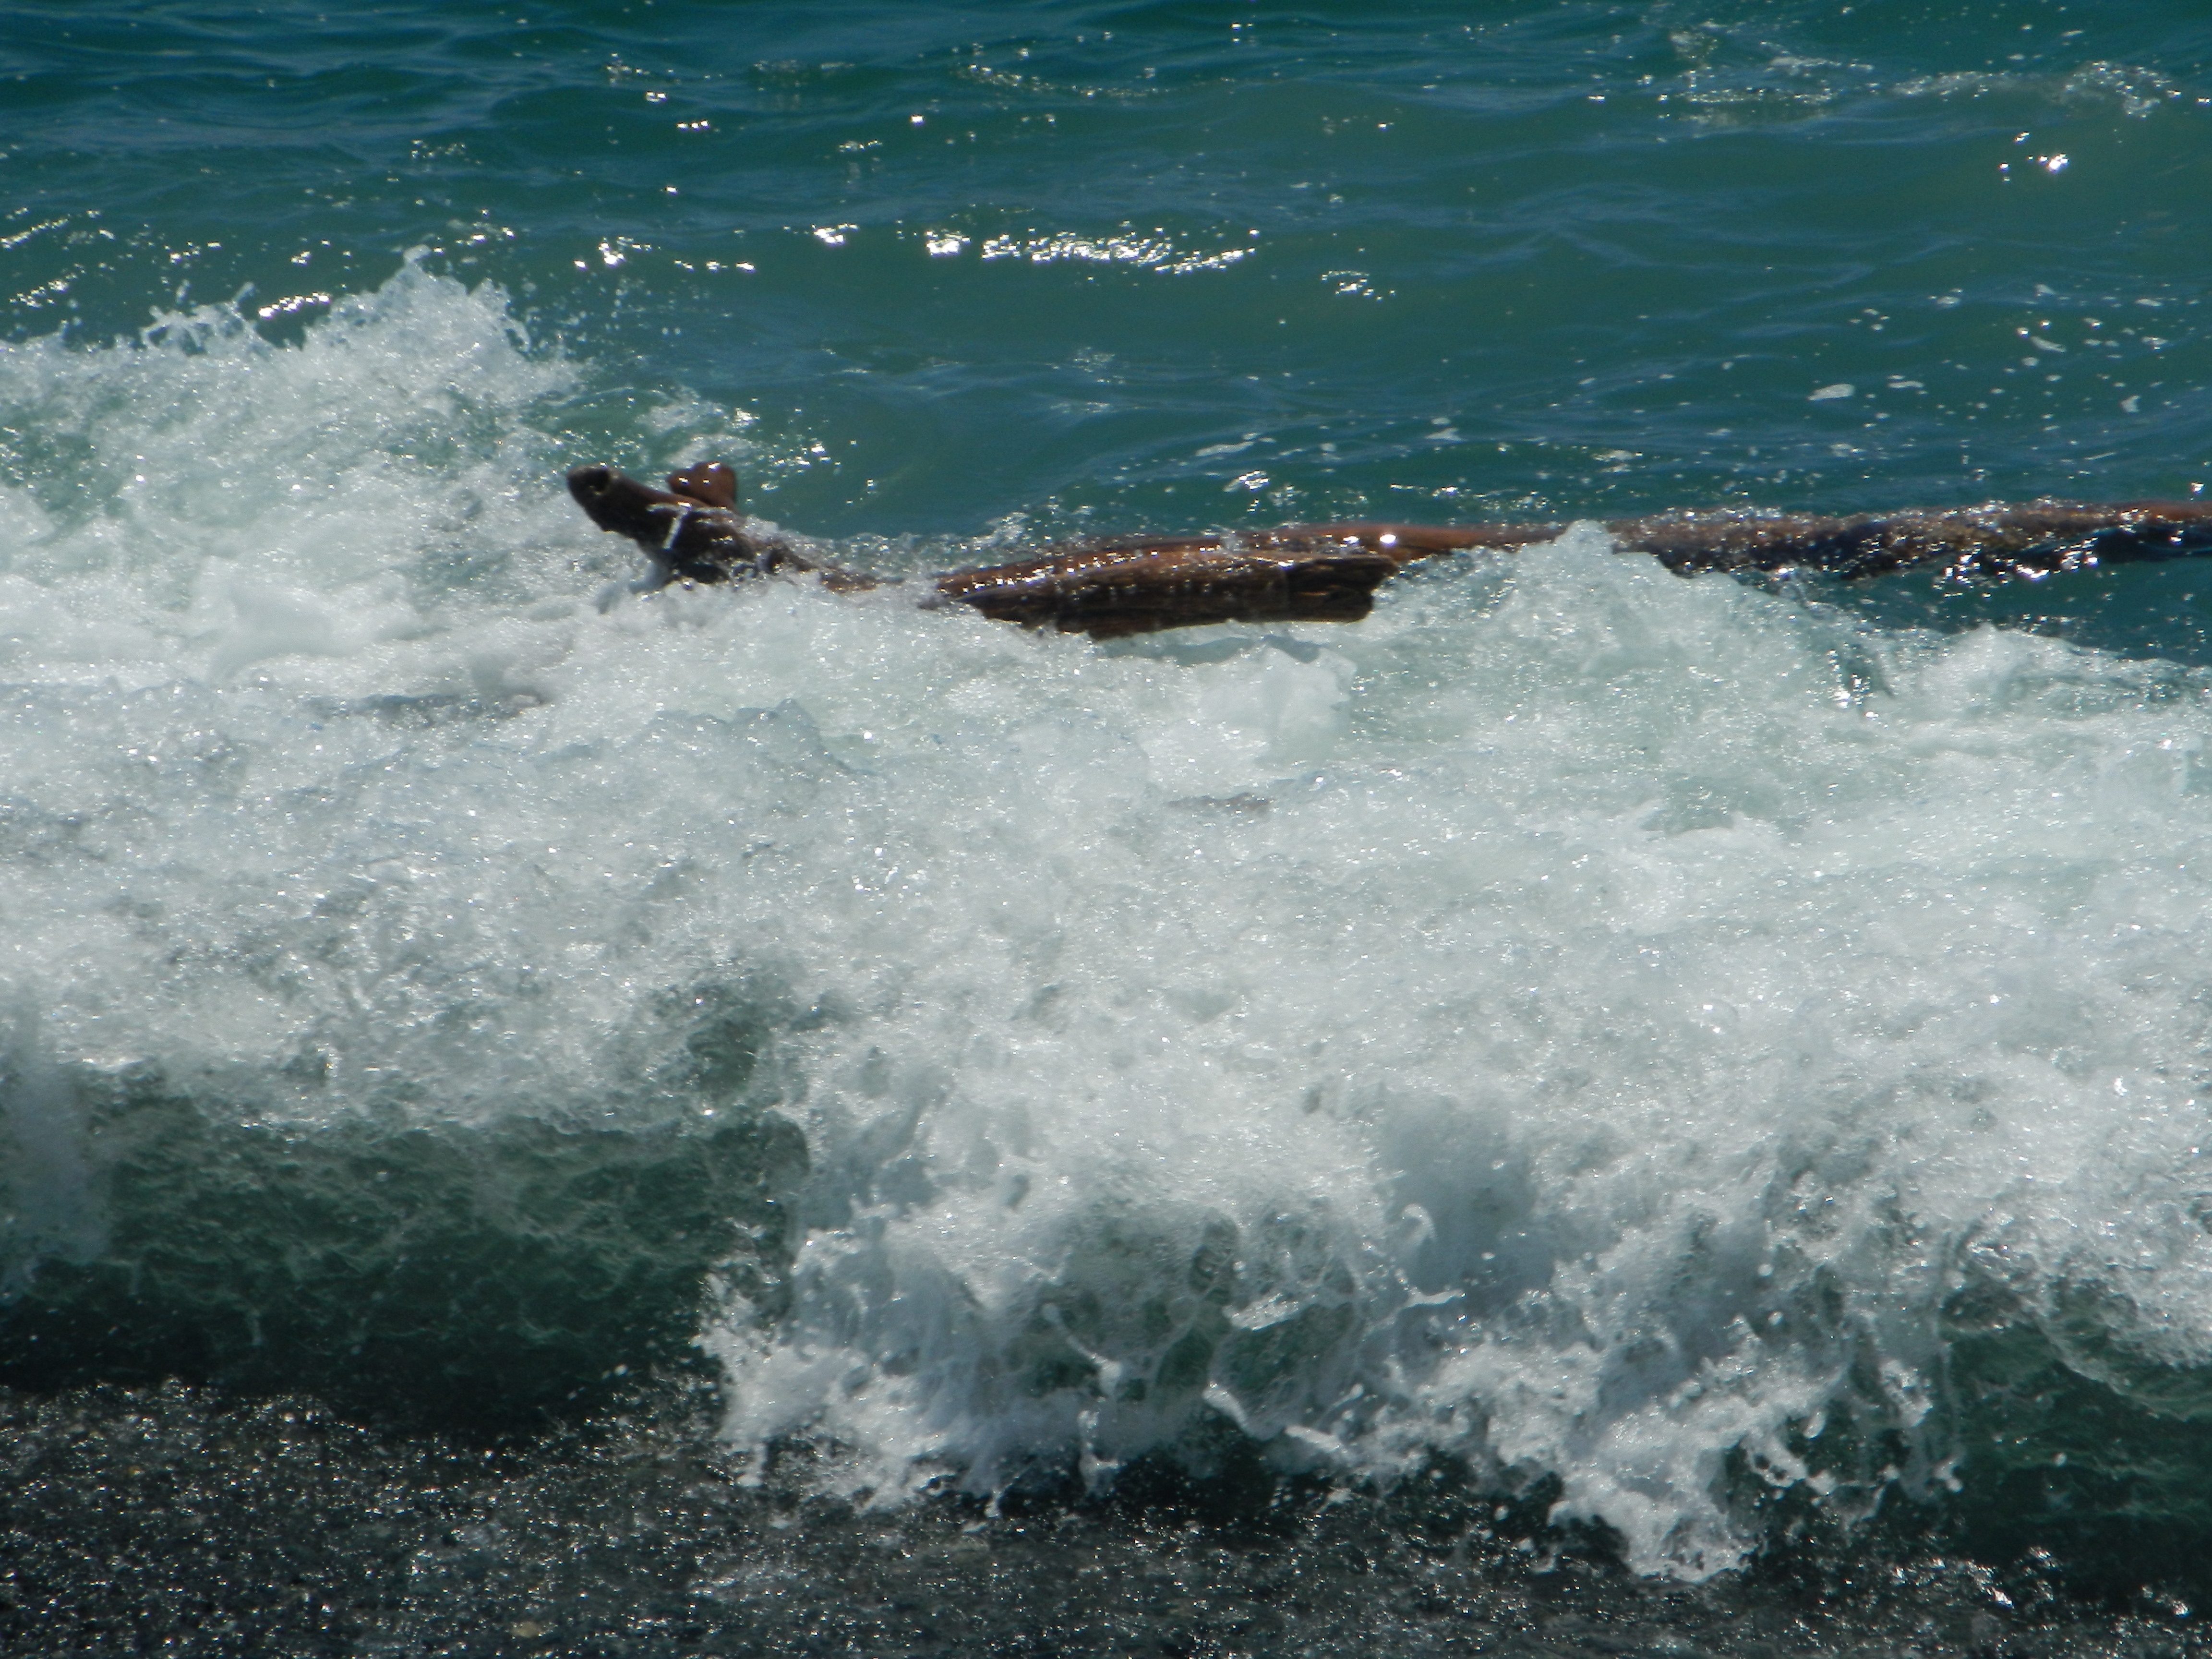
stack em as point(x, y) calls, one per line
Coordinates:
point(1595, 1023)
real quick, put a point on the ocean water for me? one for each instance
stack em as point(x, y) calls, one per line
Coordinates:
point(1587, 1091)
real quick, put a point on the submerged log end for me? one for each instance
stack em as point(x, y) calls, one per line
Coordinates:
point(1995, 540)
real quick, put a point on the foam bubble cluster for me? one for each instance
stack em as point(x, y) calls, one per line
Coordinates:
point(1582, 1020)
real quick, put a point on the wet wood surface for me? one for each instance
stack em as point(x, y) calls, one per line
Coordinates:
point(694, 531)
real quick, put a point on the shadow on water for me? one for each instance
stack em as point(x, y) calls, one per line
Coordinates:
point(416, 1293)
point(478, 1279)
point(513, 1284)
point(2077, 1451)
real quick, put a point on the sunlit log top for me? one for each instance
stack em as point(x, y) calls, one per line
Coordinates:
point(694, 531)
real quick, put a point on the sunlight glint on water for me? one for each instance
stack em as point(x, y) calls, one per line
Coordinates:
point(1582, 1020)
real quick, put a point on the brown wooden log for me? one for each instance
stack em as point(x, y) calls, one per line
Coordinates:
point(694, 531)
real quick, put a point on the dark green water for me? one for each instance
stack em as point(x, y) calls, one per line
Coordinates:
point(752, 1064)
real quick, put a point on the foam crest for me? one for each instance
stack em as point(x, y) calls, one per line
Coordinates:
point(1585, 1021)
point(1642, 1005)
point(199, 498)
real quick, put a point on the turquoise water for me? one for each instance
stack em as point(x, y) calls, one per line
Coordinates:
point(1712, 1064)
point(1613, 253)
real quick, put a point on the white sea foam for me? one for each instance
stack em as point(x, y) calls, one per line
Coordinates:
point(1579, 1020)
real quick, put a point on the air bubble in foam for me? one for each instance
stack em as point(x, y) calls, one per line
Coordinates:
point(1609, 1019)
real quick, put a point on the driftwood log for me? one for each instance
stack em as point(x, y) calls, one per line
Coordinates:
point(1329, 572)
